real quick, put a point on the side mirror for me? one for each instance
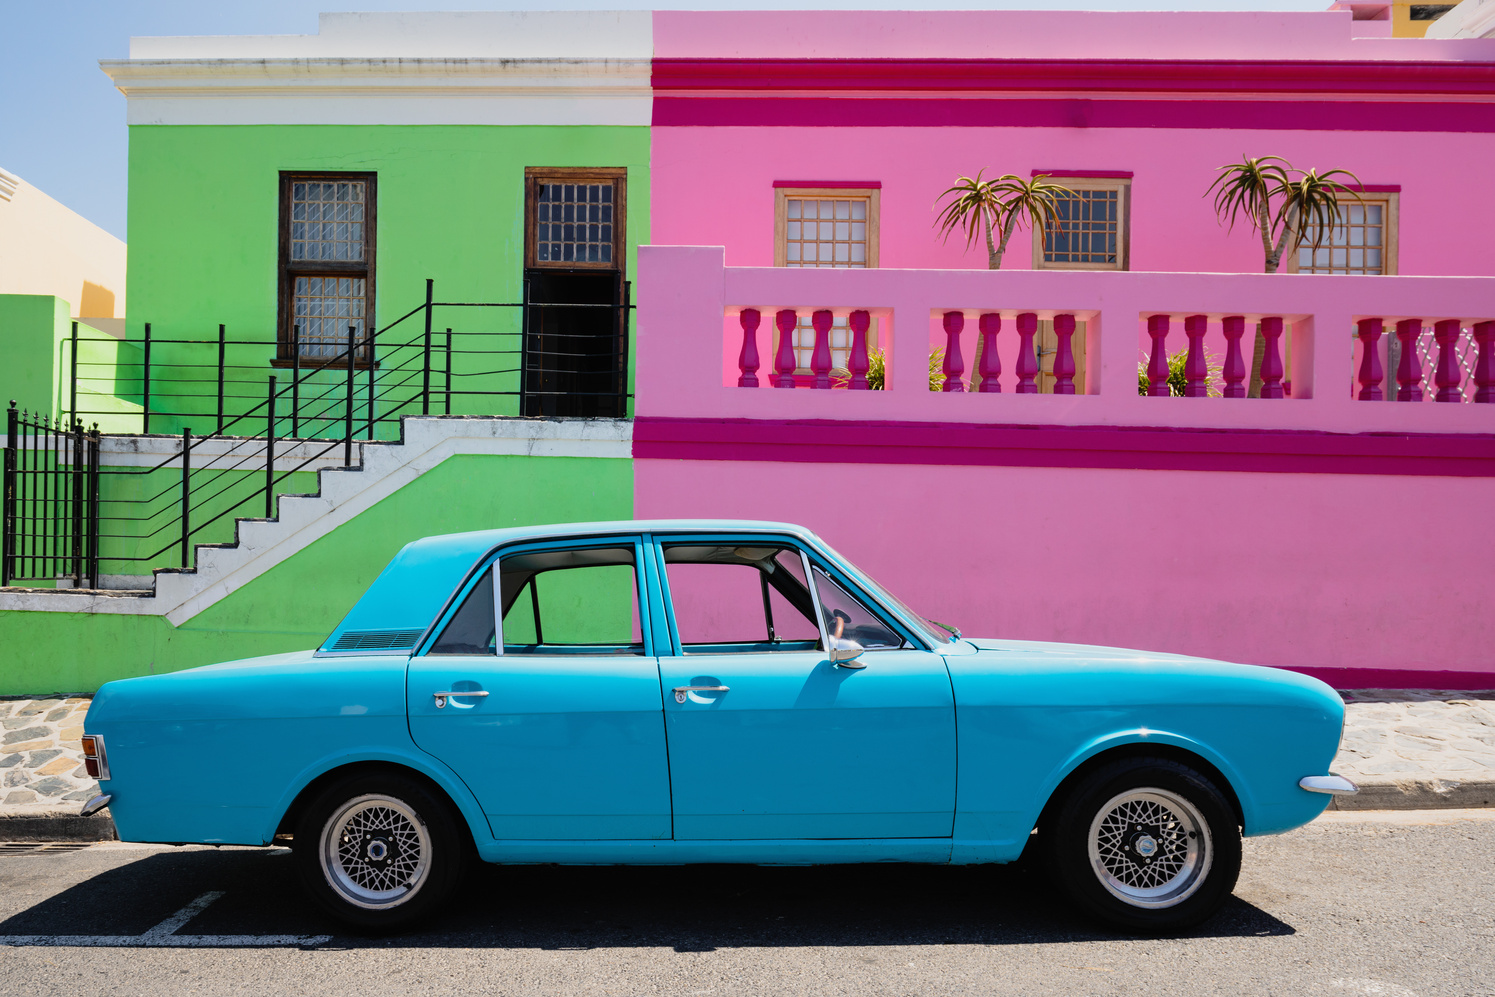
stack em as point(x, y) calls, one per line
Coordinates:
point(845, 651)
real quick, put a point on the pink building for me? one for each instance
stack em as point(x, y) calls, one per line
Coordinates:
point(1316, 530)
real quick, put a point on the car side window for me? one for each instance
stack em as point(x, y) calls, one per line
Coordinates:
point(730, 598)
point(847, 617)
point(574, 601)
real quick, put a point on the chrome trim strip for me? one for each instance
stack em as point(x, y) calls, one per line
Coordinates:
point(1334, 785)
point(96, 804)
point(101, 756)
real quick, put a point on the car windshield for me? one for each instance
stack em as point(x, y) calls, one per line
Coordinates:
point(936, 632)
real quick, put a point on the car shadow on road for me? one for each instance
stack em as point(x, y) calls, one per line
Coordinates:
point(687, 908)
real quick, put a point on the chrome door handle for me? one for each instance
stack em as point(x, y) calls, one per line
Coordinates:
point(441, 697)
point(681, 690)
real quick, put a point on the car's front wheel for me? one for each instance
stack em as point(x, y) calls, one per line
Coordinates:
point(1147, 844)
point(379, 850)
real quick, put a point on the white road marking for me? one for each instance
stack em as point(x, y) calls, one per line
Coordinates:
point(164, 935)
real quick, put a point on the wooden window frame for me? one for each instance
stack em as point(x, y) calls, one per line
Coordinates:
point(534, 176)
point(1389, 262)
point(781, 196)
point(1123, 229)
point(288, 270)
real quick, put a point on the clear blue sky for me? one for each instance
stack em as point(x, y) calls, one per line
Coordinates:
point(62, 124)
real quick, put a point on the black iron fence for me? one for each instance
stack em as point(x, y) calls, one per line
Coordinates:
point(50, 503)
point(265, 429)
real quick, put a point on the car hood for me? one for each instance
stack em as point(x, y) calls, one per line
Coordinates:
point(1083, 652)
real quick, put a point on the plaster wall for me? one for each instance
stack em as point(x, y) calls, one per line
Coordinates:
point(1173, 224)
point(46, 248)
point(1272, 569)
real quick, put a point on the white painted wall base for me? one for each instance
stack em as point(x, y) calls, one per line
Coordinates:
point(344, 493)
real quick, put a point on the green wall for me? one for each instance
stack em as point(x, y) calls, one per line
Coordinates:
point(297, 603)
point(32, 328)
point(204, 210)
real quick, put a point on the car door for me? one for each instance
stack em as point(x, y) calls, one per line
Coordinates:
point(553, 719)
point(768, 738)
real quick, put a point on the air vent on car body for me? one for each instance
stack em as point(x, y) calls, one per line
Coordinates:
point(377, 640)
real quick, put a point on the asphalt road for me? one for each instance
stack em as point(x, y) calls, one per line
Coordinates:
point(1390, 904)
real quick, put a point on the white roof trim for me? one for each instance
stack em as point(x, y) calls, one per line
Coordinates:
point(8, 184)
point(385, 91)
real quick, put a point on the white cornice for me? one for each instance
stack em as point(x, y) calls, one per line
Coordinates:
point(602, 91)
point(8, 184)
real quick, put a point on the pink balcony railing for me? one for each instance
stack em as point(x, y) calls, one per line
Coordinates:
point(1063, 348)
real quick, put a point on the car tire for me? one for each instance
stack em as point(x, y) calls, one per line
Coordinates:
point(1146, 844)
point(380, 850)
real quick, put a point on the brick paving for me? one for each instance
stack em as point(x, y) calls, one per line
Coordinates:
point(1406, 749)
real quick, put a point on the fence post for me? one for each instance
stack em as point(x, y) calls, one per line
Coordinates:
point(93, 507)
point(425, 384)
point(145, 425)
point(221, 344)
point(449, 372)
point(348, 404)
point(186, 491)
point(369, 339)
point(295, 382)
point(270, 449)
point(8, 499)
point(73, 374)
point(75, 500)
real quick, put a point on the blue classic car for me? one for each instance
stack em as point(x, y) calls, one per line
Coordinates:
point(707, 691)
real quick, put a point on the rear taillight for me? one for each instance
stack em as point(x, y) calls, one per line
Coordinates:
point(95, 759)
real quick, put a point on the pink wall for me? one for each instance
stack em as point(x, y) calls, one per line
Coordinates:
point(1173, 226)
point(1279, 569)
point(1034, 34)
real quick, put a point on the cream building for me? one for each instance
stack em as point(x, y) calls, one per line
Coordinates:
point(46, 248)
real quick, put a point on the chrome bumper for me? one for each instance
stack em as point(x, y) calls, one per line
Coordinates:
point(1334, 785)
point(96, 804)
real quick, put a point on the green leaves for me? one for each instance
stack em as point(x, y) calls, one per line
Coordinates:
point(1279, 206)
point(980, 206)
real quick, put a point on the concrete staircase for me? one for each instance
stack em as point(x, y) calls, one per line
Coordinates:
point(343, 493)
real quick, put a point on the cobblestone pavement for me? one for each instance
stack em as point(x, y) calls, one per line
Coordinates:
point(41, 757)
point(1405, 748)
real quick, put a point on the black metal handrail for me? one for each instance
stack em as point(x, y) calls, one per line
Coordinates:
point(361, 392)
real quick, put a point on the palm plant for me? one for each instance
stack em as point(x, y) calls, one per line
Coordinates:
point(1307, 204)
point(990, 206)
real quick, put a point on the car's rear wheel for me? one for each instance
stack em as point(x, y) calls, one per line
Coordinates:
point(1147, 844)
point(379, 850)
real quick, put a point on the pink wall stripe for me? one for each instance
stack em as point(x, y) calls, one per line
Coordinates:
point(1328, 115)
point(1072, 75)
point(1398, 678)
point(1286, 452)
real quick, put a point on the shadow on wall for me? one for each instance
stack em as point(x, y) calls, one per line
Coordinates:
point(95, 301)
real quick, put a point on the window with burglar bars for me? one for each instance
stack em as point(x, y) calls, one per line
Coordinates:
point(326, 264)
point(826, 227)
point(1090, 231)
point(575, 218)
point(1364, 241)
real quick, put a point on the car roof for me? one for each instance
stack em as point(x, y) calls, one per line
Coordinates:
point(415, 585)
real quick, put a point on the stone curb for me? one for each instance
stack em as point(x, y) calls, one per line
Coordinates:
point(1418, 794)
point(56, 827)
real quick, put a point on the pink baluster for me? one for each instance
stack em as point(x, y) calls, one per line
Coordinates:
point(990, 324)
point(1064, 356)
point(820, 358)
point(1157, 364)
point(1027, 360)
point(1371, 375)
point(1409, 371)
point(955, 365)
point(747, 360)
point(1271, 363)
point(858, 364)
point(1484, 363)
point(1235, 365)
point(1448, 374)
point(1196, 371)
point(783, 362)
